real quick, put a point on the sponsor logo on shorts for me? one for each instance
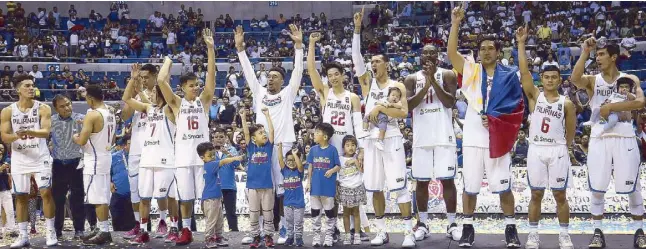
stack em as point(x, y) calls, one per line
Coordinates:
point(451, 139)
point(398, 149)
point(504, 181)
point(401, 179)
point(163, 161)
point(630, 182)
point(560, 179)
point(631, 149)
point(162, 190)
point(451, 168)
point(561, 157)
point(44, 178)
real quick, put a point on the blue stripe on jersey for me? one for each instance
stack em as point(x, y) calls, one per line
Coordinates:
point(168, 129)
point(93, 151)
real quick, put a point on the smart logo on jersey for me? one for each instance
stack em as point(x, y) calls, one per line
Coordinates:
point(427, 111)
point(191, 136)
point(26, 146)
point(151, 143)
point(272, 102)
point(543, 139)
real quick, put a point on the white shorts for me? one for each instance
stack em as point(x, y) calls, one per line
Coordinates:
point(321, 202)
point(190, 183)
point(22, 182)
point(337, 142)
point(548, 166)
point(623, 153)
point(434, 162)
point(133, 177)
point(476, 162)
point(97, 189)
point(158, 183)
point(385, 168)
point(276, 175)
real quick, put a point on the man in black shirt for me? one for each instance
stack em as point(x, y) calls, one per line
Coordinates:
point(227, 112)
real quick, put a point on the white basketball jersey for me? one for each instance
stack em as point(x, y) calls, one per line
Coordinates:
point(28, 154)
point(97, 152)
point(159, 143)
point(192, 130)
point(433, 123)
point(602, 92)
point(338, 112)
point(548, 122)
point(138, 131)
point(375, 95)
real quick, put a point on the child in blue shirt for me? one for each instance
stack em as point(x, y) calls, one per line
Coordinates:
point(227, 176)
point(324, 163)
point(294, 197)
point(212, 194)
point(260, 185)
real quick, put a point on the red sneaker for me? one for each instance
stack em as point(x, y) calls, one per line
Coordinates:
point(185, 238)
point(255, 243)
point(172, 236)
point(133, 232)
point(162, 229)
point(141, 238)
point(269, 241)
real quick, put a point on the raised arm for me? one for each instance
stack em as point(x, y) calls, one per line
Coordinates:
point(281, 159)
point(245, 127)
point(357, 58)
point(8, 136)
point(452, 48)
point(247, 68)
point(209, 88)
point(128, 96)
point(525, 76)
point(297, 73)
point(265, 111)
point(229, 160)
point(317, 83)
point(297, 160)
point(163, 80)
point(578, 79)
point(414, 99)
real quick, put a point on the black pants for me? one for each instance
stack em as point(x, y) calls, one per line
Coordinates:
point(90, 214)
point(65, 177)
point(123, 218)
point(229, 201)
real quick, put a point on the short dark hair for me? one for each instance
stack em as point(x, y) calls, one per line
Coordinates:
point(493, 38)
point(332, 65)
point(150, 68)
point(395, 89)
point(552, 68)
point(279, 70)
point(20, 78)
point(59, 97)
point(186, 77)
point(625, 80)
point(349, 138)
point(220, 130)
point(384, 56)
point(204, 147)
point(95, 92)
point(613, 49)
point(254, 128)
point(326, 128)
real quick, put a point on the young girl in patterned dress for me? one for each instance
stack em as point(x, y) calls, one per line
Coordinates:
point(351, 193)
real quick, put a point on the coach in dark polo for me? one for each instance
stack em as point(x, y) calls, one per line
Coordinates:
point(66, 174)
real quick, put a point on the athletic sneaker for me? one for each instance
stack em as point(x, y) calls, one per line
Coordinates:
point(78, 235)
point(409, 240)
point(289, 242)
point(185, 237)
point(348, 239)
point(162, 229)
point(336, 234)
point(101, 238)
point(511, 236)
point(247, 240)
point(221, 241)
point(316, 241)
point(453, 232)
point(21, 242)
point(255, 243)
point(380, 239)
point(356, 240)
point(133, 232)
point(468, 236)
point(282, 236)
point(533, 241)
point(52, 240)
point(269, 241)
point(640, 240)
point(141, 238)
point(210, 242)
point(173, 235)
point(565, 242)
point(328, 241)
point(421, 231)
point(364, 236)
point(598, 240)
point(93, 233)
point(299, 242)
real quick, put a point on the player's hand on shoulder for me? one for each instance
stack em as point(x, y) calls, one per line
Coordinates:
point(265, 111)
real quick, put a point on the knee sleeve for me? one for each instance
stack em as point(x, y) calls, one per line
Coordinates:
point(316, 212)
point(403, 196)
point(330, 214)
point(596, 203)
point(636, 203)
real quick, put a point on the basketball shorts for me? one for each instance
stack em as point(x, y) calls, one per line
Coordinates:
point(616, 157)
point(133, 177)
point(477, 162)
point(385, 168)
point(22, 182)
point(158, 183)
point(276, 175)
point(190, 182)
point(548, 166)
point(97, 189)
point(434, 162)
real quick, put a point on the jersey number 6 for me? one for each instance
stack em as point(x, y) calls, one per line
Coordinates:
point(545, 126)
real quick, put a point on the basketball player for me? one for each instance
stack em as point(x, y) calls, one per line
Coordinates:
point(96, 139)
point(614, 152)
point(26, 125)
point(192, 114)
point(551, 133)
point(431, 94)
point(280, 103)
point(385, 168)
point(157, 166)
point(476, 142)
point(341, 108)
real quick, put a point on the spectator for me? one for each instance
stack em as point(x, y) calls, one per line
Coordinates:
point(57, 16)
point(3, 45)
point(226, 113)
point(228, 22)
point(35, 73)
point(281, 19)
point(232, 77)
point(74, 43)
point(19, 72)
point(6, 72)
point(628, 43)
point(72, 11)
point(171, 40)
point(581, 149)
point(264, 23)
point(544, 32)
point(519, 153)
point(157, 20)
point(550, 62)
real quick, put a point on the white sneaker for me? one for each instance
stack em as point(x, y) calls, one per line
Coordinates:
point(379, 145)
point(347, 240)
point(380, 239)
point(20, 242)
point(316, 242)
point(51, 238)
point(281, 240)
point(328, 241)
point(409, 240)
point(357, 239)
point(247, 240)
point(533, 241)
point(565, 242)
point(454, 232)
point(421, 233)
